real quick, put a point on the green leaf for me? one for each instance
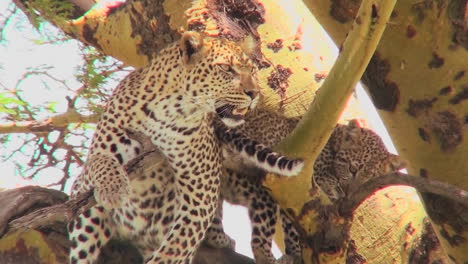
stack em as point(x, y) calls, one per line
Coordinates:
point(51, 106)
point(5, 99)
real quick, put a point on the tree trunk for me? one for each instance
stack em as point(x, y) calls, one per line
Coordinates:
point(135, 31)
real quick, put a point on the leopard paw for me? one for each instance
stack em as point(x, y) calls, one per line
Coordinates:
point(288, 259)
point(221, 240)
point(111, 197)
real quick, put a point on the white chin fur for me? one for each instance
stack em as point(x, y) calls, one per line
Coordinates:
point(232, 122)
point(254, 102)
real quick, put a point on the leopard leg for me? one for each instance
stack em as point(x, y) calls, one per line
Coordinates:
point(215, 235)
point(240, 190)
point(111, 182)
point(89, 232)
point(197, 184)
point(262, 213)
point(192, 217)
point(293, 248)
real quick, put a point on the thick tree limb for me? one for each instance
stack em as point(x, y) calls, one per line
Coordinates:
point(312, 132)
point(18, 202)
point(59, 213)
point(84, 5)
point(423, 185)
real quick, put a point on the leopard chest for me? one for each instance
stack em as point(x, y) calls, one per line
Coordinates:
point(146, 216)
point(191, 166)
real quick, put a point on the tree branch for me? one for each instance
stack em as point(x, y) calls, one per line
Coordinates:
point(53, 123)
point(67, 211)
point(312, 132)
point(84, 5)
point(17, 202)
point(316, 126)
point(421, 184)
point(47, 216)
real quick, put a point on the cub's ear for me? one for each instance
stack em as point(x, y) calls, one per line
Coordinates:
point(354, 123)
point(191, 45)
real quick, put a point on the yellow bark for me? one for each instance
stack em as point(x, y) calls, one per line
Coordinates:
point(312, 133)
point(31, 245)
point(98, 29)
point(417, 81)
point(117, 31)
point(386, 226)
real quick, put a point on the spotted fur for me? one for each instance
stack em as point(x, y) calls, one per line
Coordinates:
point(247, 190)
point(255, 153)
point(173, 101)
point(352, 155)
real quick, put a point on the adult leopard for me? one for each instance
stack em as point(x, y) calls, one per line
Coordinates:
point(173, 101)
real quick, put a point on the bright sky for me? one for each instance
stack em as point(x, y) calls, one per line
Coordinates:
point(20, 52)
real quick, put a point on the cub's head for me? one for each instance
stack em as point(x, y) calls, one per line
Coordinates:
point(219, 76)
point(361, 154)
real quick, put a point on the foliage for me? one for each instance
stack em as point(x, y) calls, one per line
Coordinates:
point(58, 11)
point(26, 117)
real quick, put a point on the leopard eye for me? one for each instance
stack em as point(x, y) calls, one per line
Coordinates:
point(226, 68)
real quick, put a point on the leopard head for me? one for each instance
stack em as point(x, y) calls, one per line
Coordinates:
point(361, 155)
point(220, 76)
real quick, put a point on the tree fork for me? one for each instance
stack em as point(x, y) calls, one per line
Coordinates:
point(314, 129)
point(417, 80)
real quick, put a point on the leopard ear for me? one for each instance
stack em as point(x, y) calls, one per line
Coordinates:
point(191, 45)
point(396, 163)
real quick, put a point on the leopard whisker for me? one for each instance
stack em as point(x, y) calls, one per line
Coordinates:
point(228, 109)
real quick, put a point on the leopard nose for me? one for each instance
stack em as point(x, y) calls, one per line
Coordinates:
point(251, 93)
